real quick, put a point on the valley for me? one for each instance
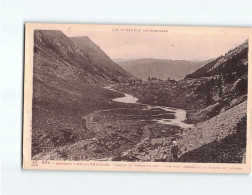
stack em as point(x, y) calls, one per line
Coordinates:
point(87, 107)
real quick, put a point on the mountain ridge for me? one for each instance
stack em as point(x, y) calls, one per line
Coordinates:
point(99, 57)
point(161, 68)
point(233, 61)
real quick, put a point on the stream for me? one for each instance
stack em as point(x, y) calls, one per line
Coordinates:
point(179, 114)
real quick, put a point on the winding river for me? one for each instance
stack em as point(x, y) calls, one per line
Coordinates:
point(179, 114)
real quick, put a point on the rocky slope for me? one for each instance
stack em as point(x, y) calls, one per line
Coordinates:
point(161, 68)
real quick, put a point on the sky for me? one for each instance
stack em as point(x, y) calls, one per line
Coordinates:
point(133, 45)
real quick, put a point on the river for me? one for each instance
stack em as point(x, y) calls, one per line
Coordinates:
point(179, 114)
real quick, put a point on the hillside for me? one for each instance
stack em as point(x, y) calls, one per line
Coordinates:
point(99, 57)
point(160, 68)
point(234, 62)
point(67, 84)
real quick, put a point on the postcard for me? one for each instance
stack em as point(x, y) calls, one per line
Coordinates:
point(137, 98)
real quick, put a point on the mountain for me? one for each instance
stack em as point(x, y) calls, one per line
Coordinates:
point(161, 68)
point(98, 56)
point(57, 44)
point(234, 62)
point(67, 84)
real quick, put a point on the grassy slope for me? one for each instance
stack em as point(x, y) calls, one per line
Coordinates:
point(59, 103)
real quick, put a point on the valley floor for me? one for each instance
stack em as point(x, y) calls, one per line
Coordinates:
point(128, 133)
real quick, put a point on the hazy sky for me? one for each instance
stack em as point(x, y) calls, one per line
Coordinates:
point(162, 45)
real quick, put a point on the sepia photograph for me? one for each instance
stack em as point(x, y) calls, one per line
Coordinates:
point(113, 97)
point(135, 94)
